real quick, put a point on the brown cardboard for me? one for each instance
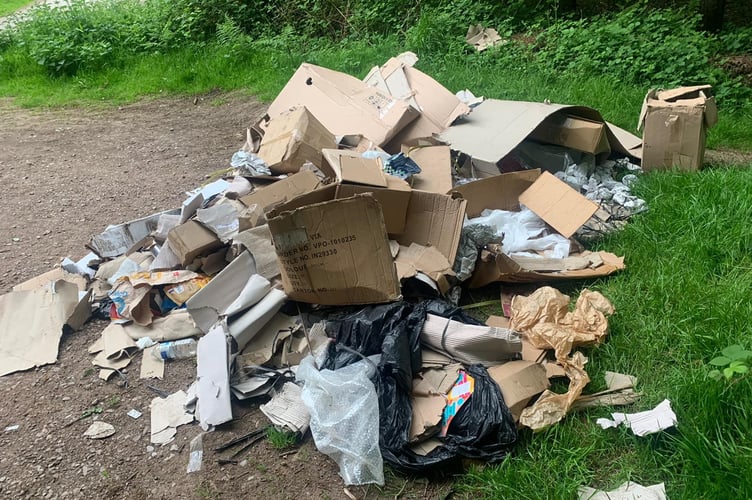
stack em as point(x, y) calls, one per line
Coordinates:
point(496, 127)
point(394, 200)
point(435, 164)
point(335, 252)
point(558, 204)
point(675, 123)
point(434, 220)
point(574, 133)
point(506, 192)
point(343, 104)
point(190, 240)
point(438, 106)
point(410, 260)
point(293, 138)
point(351, 167)
point(282, 190)
point(519, 382)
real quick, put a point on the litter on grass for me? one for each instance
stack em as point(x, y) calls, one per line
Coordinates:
point(383, 199)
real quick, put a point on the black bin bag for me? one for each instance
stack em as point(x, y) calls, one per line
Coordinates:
point(483, 427)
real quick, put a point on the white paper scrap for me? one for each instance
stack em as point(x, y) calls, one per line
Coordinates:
point(647, 422)
point(627, 491)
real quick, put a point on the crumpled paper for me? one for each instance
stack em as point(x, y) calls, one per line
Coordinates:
point(546, 322)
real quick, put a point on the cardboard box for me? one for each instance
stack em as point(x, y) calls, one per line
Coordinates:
point(495, 128)
point(359, 175)
point(549, 198)
point(438, 107)
point(343, 104)
point(519, 382)
point(335, 252)
point(573, 132)
point(675, 123)
point(282, 191)
point(190, 240)
point(293, 138)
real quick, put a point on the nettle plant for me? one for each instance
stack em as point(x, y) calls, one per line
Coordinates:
point(734, 360)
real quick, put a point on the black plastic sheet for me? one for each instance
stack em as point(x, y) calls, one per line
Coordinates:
point(483, 427)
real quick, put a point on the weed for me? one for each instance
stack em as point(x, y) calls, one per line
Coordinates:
point(280, 438)
point(113, 401)
point(734, 360)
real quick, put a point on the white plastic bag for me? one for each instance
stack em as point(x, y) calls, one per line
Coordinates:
point(344, 412)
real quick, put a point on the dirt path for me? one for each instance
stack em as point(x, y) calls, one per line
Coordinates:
point(65, 176)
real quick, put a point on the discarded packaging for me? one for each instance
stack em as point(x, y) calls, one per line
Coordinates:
point(627, 491)
point(166, 415)
point(286, 409)
point(675, 122)
point(345, 399)
point(482, 38)
point(544, 319)
point(647, 422)
point(99, 430)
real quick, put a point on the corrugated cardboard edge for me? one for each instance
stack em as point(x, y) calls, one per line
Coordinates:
point(504, 269)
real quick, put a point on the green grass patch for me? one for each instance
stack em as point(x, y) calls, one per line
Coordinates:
point(8, 7)
point(279, 438)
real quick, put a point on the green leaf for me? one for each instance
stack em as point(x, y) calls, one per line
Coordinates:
point(728, 372)
point(715, 374)
point(732, 351)
point(742, 368)
point(720, 361)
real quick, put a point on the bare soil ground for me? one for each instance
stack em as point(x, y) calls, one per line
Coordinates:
point(65, 175)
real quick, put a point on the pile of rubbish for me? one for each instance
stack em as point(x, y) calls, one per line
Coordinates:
point(320, 276)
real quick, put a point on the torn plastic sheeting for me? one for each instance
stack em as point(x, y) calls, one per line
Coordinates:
point(643, 423)
point(470, 344)
point(344, 411)
point(474, 237)
point(546, 322)
point(483, 429)
point(236, 288)
point(523, 231)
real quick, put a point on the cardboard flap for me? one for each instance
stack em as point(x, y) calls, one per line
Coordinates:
point(435, 164)
point(711, 112)
point(282, 190)
point(496, 127)
point(558, 204)
point(500, 192)
point(350, 166)
point(434, 220)
point(681, 93)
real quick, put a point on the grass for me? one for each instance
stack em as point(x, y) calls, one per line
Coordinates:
point(8, 7)
point(680, 301)
point(279, 438)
